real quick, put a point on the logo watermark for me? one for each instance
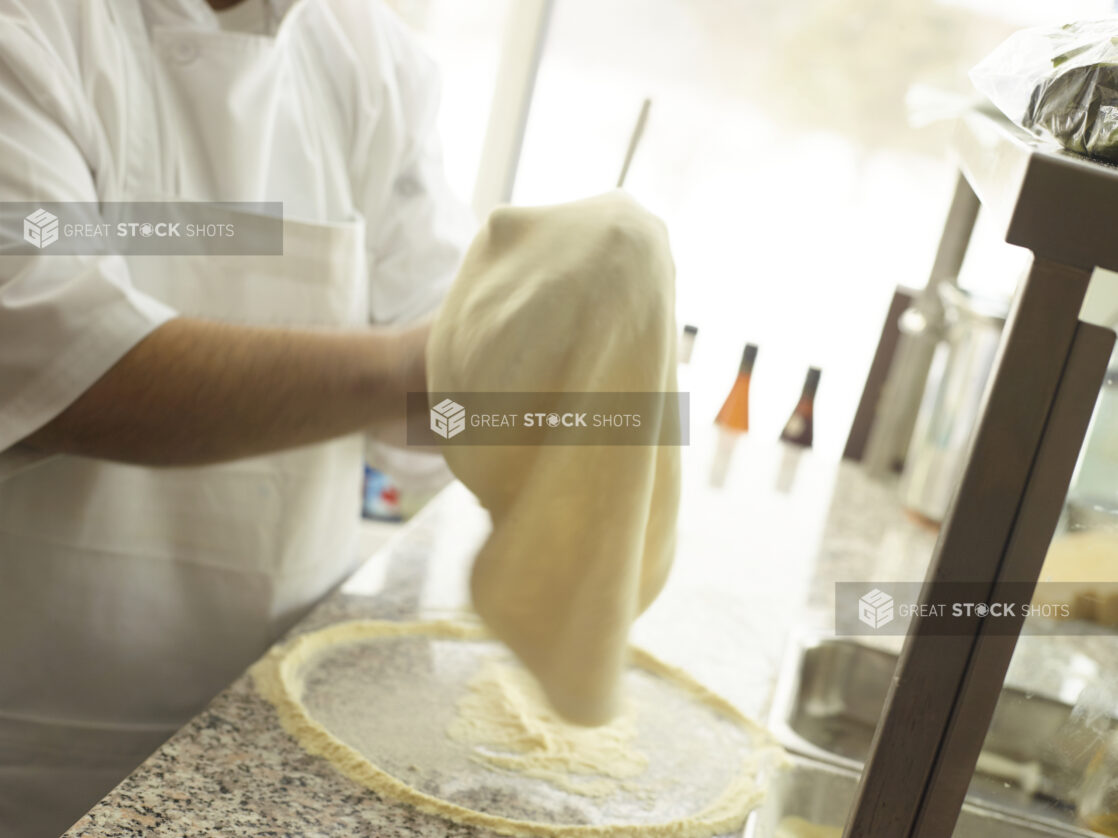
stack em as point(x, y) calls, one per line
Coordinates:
point(547, 418)
point(955, 608)
point(875, 609)
point(40, 228)
point(448, 419)
point(142, 229)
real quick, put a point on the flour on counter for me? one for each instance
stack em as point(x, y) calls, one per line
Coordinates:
point(507, 718)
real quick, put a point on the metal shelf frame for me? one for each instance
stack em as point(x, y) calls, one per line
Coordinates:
point(1037, 405)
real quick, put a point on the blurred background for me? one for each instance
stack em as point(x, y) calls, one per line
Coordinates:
point(791, 147)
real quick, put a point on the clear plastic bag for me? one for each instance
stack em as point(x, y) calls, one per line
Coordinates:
point(1059, 84)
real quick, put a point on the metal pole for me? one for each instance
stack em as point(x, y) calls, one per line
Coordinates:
point(904, 385)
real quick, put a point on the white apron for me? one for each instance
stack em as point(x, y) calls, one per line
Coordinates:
point(150, 589)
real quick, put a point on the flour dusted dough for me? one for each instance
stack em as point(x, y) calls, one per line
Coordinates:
point(277, 677)
point(572, 298)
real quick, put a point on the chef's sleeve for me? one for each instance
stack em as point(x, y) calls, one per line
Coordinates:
point(421, 227)
point(64, 319)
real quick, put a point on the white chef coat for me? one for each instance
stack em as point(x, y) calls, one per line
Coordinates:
point(252, 16)
point(129, 596)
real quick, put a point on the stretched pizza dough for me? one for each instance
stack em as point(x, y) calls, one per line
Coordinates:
point(498, 716)
point(572, 298)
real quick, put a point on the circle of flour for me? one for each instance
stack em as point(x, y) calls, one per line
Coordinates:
point(503, 716)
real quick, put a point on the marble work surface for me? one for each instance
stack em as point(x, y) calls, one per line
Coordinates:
point(764, 534)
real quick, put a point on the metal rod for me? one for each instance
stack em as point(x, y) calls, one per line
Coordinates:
point(634, 141)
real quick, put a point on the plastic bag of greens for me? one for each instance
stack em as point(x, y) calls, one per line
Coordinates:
point(1060, 84)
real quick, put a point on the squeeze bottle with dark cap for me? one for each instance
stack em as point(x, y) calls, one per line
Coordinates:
point(798, 429)
point(735, 410)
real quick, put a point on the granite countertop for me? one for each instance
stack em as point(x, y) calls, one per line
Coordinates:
point(761, 543)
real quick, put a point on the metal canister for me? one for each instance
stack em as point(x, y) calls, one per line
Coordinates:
point(952, 400)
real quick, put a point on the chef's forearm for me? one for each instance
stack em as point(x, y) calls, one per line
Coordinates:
point(196, 392)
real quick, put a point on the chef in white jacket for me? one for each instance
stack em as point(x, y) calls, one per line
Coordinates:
point(202, 417)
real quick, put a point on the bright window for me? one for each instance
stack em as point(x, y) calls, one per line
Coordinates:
point(779, 152)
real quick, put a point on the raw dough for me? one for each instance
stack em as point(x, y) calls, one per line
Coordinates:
point(574, 298)
point(1081, 573)
point(796, 827)
point(277, 678)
